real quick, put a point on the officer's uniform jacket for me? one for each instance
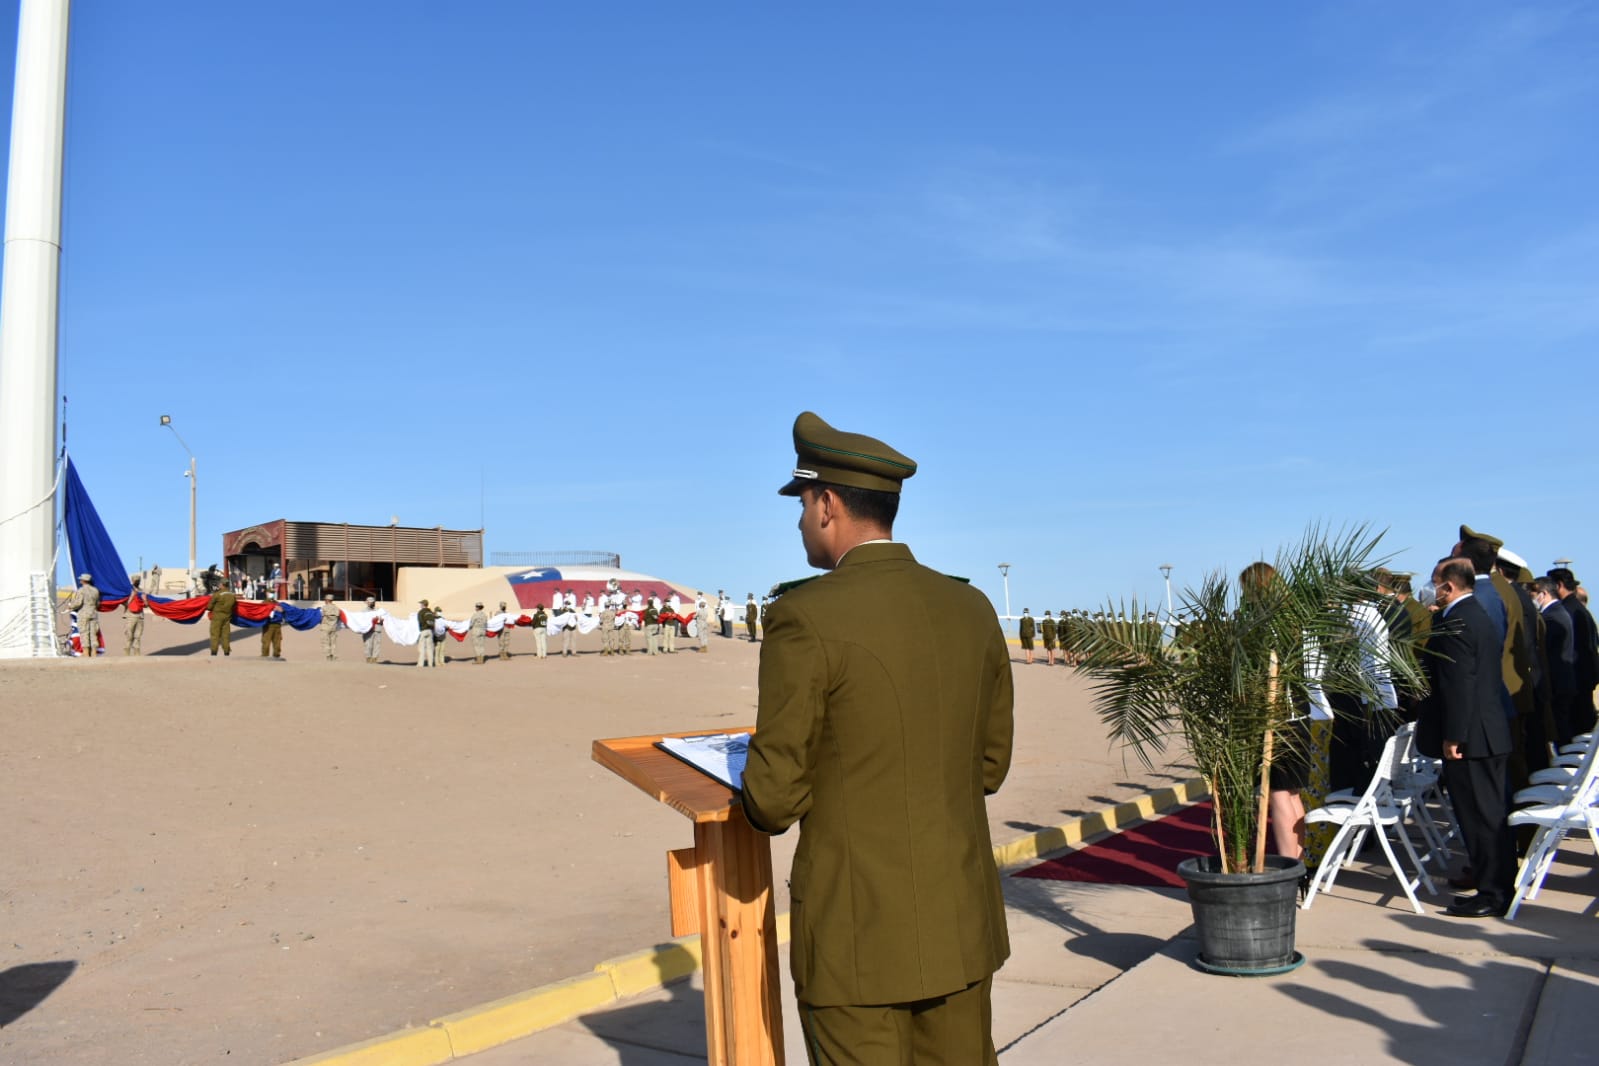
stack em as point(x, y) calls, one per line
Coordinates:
point(882, 744)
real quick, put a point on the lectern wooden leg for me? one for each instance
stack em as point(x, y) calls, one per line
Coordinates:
point(738, 930)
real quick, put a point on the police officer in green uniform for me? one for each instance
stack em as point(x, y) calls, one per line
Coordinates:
point(652, 628)
point(898, 921)
point(1048, 626)
point(1025, 630)
point(222, 605)
point(752, 615)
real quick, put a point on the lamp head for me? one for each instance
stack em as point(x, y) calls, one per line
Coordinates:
point(166, 420)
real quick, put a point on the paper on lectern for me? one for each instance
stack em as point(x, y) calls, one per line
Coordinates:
point(718, 755)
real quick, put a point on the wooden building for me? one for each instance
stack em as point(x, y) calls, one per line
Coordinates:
point(305, 559)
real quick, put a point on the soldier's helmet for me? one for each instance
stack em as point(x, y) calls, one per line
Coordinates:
point(85, 577)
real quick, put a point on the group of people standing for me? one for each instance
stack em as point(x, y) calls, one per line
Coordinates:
point(1066, 633)
point(1508, 667)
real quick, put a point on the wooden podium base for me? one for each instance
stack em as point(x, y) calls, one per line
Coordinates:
point(723, 887)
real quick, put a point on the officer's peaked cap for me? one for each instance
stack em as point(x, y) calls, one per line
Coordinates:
point(831, 456)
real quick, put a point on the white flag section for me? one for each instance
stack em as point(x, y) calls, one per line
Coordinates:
point(406, 632)
point(586, 623)
point(720, 755)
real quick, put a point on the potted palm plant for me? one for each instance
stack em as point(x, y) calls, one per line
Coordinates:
point(1234, 684)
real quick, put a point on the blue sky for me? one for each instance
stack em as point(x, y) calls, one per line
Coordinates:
point(1152, 284)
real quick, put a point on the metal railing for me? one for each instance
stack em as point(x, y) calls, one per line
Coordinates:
point(606, 559)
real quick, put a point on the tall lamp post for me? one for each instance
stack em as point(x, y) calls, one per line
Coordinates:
point(1004, 573)
point(194, 481)
point(1165, 571)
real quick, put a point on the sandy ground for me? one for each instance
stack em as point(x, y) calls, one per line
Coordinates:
point(242, 860)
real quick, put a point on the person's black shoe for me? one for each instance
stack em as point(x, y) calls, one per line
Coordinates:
point(1475, 907)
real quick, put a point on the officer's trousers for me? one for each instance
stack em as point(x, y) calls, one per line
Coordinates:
point(956, 1030)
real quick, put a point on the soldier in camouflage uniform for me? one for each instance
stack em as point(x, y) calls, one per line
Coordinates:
point(477, 629)
point(505, 633)
point(373, 641)
point(607, 627)
point(133, 620)
point(329, 628)
point(86, 601)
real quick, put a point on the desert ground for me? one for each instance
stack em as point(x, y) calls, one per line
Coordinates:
point(243, 860)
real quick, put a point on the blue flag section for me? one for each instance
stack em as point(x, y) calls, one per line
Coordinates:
point(90, 544)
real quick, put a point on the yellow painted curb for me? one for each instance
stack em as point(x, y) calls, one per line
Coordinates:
point(492, 1024)
point(641, 971)
point(1074, 832)
point(408, 1047)
point(511, 1018)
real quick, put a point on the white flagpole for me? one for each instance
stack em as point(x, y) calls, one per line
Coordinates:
point(28, 310)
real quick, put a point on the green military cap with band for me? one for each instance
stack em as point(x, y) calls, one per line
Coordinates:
point(832, 457)
point(1467, 533)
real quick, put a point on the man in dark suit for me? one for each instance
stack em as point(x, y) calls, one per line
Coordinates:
point(1560, 653)
point(1585, 644)
point(1462, 721)
point(882, 740)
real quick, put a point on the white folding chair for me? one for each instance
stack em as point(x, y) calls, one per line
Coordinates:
point(1575, 812)
point(1376, 809)
point(1416, 789)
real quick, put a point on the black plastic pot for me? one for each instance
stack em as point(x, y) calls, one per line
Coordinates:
point(1245, 922)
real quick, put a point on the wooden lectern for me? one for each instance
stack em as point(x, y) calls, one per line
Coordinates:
point(721, 887)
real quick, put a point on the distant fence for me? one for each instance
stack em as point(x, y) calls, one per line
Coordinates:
point(610, 559)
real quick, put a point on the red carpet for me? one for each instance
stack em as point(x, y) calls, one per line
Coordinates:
point(1146, 854)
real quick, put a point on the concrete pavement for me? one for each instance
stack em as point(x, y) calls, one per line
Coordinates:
point(1104, 974)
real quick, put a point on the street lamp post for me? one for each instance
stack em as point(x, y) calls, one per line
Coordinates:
point(1165, 571)
point(1564, 564)
point(194, 484)
point(1004, 573)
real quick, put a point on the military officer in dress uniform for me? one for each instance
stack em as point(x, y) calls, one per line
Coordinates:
point(477, 627)
point(424, 634)
point(505, 632)
point(1049, 638)
point(86, 601)
point(373, 641)
point(133, 619)
point(1025, 630)
point(752, 615)
point(272, 631)
point(222, 605)
point(329, 628)
point(541, 632)
point(898, 920)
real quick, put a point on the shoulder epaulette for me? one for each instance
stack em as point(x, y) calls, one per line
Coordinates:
point(789, 586)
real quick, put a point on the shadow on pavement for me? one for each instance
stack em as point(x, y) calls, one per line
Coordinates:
point(23, 988)
point(664, 1028)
